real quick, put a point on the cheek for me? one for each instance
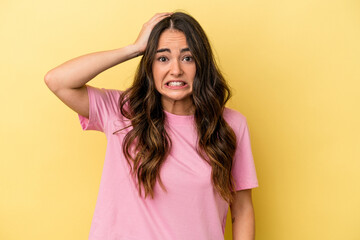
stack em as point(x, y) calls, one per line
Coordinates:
point(156, 69)
point(157, 76)
point(192, 73)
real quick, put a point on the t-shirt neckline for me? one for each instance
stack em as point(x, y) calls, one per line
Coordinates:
point(179, 119)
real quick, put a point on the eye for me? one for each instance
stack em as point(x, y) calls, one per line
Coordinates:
point(188, 58)
point(162, 59)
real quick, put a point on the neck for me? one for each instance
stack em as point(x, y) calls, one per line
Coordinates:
point(178, 107)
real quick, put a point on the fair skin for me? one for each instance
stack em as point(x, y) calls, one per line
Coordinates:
point(242, 216)
point(67, 81)
point(174, 72)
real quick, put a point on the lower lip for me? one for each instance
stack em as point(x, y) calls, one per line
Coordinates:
point(176, 87)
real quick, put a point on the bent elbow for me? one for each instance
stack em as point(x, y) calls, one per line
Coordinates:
point(50, 82)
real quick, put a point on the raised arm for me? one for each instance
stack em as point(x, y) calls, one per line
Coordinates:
point(67, 81)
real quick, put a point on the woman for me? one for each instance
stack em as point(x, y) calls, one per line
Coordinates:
point(176, 156)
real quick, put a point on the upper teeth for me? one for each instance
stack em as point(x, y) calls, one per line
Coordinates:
point(176, 83)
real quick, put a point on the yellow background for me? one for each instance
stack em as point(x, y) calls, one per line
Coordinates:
point(294, 68)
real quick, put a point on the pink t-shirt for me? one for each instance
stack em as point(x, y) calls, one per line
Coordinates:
point(191, 208)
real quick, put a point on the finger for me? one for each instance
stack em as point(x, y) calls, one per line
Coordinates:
point(158, 19)
point(163, 13)
point(160, 15)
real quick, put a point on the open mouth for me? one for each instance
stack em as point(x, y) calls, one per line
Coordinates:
point(176, 83)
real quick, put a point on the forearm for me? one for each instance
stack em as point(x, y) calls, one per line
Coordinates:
point(243, 225)
point(77, 72)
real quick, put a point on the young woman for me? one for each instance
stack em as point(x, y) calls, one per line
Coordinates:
point(176, 158)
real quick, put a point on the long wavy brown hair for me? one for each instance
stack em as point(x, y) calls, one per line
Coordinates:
point(147, 144)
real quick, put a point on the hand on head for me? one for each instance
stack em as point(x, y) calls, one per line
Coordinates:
point(146, 29)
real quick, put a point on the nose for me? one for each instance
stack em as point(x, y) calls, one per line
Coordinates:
point(176, 69)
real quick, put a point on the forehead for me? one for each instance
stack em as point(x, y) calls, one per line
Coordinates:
point(172, 39)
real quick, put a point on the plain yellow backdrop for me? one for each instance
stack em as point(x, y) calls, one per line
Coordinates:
point(294, 67)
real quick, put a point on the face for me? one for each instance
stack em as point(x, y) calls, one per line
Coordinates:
point(174, 70)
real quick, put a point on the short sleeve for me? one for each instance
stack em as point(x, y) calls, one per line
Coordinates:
point(243, 170)
point(102, 105)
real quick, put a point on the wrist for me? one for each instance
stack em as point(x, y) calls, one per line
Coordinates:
point(135, 50)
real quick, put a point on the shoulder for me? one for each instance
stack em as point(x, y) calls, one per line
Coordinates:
point(233, 116)
point(103, 100)
point(105, 92)
point(104, 97)
point(235, 119)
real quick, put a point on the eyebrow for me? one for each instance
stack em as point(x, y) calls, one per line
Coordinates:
point(168, 50)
